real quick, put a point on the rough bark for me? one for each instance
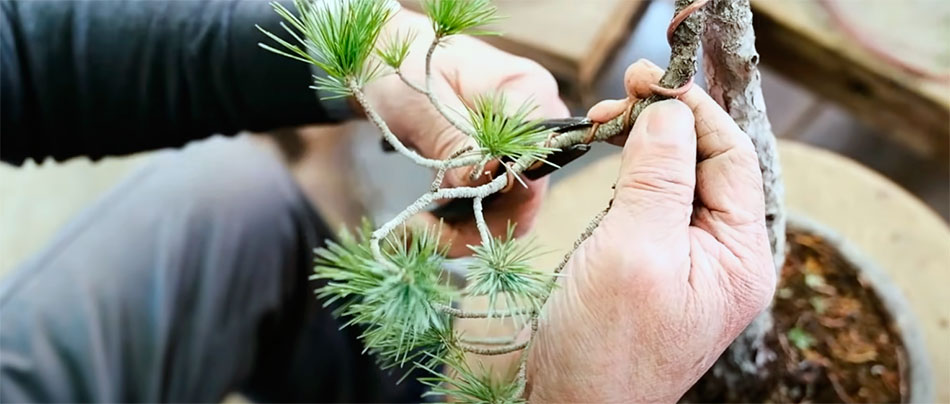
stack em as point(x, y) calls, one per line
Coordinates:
point(733, 79)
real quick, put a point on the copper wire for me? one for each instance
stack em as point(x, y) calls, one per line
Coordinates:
point(670, 30)
point(511, 178)
point(672, 92)
point(591, 132)
point(625, 119)
point(678, 19)
point(681, 16)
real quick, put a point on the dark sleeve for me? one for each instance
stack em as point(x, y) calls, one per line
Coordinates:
point(101, 78)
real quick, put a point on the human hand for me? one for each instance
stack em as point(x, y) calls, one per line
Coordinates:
point(463, 69)
point(678, 267)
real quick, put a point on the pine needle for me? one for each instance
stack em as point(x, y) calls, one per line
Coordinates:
point(467, 385)
point(336, 36)
point(397, 309)
point(503, 267)
point(502, 134)
point(453, 17)
point(395, 49)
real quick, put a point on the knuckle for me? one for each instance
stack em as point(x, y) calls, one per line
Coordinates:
point(658, 184)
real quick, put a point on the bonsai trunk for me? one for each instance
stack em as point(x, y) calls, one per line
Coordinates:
point(733, 79)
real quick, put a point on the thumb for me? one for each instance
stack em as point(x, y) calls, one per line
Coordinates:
point(657, 178)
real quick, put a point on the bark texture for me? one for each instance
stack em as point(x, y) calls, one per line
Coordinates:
point(730, 61)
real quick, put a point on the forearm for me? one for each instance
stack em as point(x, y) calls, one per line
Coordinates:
point(112, 77)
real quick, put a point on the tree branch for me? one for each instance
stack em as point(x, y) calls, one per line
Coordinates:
point(411, 85)
point(508, 340)
point(480, 221)
point(435, 100)
point(482, 314)
point(501, 350)
point(388, 134)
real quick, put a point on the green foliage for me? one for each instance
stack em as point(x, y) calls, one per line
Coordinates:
point(336, 36)
point(452, 17)
point(503, 267)
point(397, 308)
point(501, 134)
point(466, 385)
point(800, 338)
point(395, 49)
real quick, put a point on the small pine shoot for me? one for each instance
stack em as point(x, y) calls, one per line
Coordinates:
point(453, 17)
point(397, 308)
point(503, 267)
point(395, 49)
point(502, 134)
point(335, 36)
point(467, 385)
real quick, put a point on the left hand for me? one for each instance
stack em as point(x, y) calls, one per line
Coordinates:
point(462, 69)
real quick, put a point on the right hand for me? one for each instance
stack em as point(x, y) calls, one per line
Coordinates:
point(678, 267)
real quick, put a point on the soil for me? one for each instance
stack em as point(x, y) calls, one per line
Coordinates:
point(834, 341)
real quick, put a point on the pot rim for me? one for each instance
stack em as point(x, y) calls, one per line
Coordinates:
point(919, 374)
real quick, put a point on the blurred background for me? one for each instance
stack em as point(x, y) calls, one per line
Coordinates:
point(866, 134)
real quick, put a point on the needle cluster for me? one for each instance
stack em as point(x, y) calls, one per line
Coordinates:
point(336, 36)
point(499, 133)
point(397, 309)
point(502, 267)
point(454, 17)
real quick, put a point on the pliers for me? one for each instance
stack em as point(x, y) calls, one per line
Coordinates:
point(458, 210)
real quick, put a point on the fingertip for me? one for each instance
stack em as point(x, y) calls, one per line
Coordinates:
point(607, 109)
point(639, 76)
point(671, 119)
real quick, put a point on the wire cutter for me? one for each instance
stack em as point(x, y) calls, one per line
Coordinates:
point(458, 210)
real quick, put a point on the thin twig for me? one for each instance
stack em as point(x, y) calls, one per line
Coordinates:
point(480, 221)
point(523, 365)
point(388, 134)
point(483, 314)
point(580, 239)
point(435, 100)
point(501, 350)
point(507, 340)
point(397, 144)
point(440, 174)
point(411, 85)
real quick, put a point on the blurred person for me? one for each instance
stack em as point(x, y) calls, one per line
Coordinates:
point(189, 279)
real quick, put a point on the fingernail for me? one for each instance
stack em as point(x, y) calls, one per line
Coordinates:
point(667, 117)
point(647, 62)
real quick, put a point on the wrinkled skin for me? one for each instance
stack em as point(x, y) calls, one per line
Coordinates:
point(678, 267)
point(463, 69)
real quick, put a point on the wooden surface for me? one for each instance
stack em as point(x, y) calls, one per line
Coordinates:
point(798, 39)
point(573, 39)
point(904, 237)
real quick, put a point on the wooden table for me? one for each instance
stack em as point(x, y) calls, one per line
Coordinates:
point(798, 39)
point(894, 229)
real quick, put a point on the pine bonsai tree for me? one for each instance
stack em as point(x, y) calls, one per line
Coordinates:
point(390, 279)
